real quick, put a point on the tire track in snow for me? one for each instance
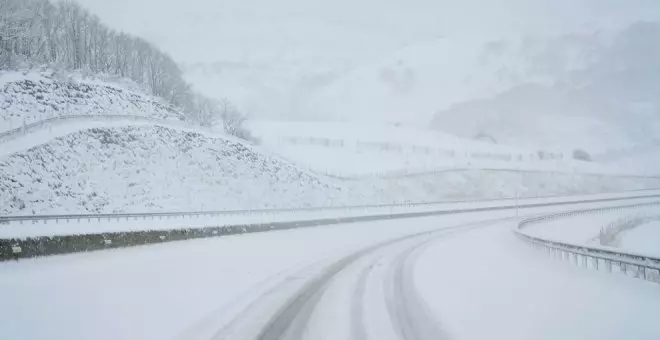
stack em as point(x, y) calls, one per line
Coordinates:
point(409, 315)
point(358, 329)
point(289, 323)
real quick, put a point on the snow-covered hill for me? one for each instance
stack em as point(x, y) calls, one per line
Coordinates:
point(122, 169)
point(523, 73)
point(150, 166)
point(30, 96)
point(151, 169)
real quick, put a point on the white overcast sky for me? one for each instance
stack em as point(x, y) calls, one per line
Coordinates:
point(200, 30)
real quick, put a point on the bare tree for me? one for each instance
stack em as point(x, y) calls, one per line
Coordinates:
point(63, 34)
point(233, 121)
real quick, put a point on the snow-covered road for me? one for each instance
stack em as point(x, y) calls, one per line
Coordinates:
point(455, 276)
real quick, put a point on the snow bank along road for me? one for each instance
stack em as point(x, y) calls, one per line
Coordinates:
point(461, 276)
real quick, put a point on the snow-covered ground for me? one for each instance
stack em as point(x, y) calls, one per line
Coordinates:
point(223, 288)
point(491, 286)
point(358, 149)
point(586, 229)
point(643, 239)
point(115, 165)
point(118, 166)
point(152, 168)
point(120, 169)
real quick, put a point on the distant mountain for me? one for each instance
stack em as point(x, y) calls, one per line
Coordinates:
point(610, 101)
point(592, 89)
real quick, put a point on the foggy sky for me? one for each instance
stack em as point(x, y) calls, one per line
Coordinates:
point(206, 30)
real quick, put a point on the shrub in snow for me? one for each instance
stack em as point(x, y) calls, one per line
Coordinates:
point(581, 155)
point(233, 121)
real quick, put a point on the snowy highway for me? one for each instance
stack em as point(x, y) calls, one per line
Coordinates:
point(456, 276)
point(329, 170)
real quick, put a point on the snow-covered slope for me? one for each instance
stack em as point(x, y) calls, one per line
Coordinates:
point(29, 96)
point(151, 169)
point(154, 168)
point(146, 166)
point(642, 239)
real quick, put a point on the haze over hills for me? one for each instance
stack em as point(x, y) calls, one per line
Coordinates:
point(509, 109)
point(504, 64)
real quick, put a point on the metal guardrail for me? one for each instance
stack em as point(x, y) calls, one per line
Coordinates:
point(597, 257)
point(225, 213)
point(17, 248)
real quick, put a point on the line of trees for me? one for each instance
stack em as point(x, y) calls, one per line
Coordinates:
point(64, 35)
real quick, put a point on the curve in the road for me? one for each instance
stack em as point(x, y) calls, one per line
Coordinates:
point(409, 316)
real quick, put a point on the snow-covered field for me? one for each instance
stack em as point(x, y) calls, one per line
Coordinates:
point(490, 285)
point(358, 149)
point(643, 239)
point(587, 229)
point(223, 288)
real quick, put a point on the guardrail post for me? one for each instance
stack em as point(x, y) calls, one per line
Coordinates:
point(596, 260)
point(608, 263)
